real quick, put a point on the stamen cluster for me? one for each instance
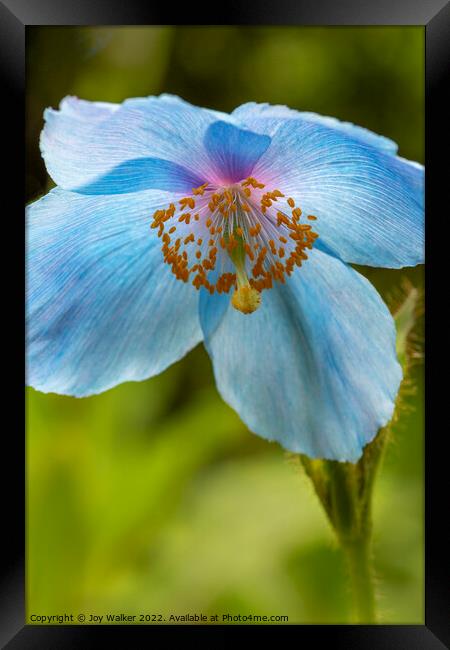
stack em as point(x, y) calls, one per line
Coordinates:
point(234, 236)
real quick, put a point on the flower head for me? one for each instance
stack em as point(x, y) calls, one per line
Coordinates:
point(172, 224)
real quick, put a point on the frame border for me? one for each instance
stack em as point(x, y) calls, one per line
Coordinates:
point(15, 16)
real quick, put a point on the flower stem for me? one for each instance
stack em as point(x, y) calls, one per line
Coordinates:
point(351, 507)
point(345, 491)
point(359, 560)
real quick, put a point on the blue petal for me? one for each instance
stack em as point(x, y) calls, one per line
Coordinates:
point(369, 204)
point(91, 148)
point(144, 174)
point(315, 367)
point(233, 151)
point(83, 110)
point(265, 118)
point(102, 307)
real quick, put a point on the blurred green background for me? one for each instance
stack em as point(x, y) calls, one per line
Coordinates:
point(153, 497)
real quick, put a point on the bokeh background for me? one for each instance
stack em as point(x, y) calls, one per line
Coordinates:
point(153, 497)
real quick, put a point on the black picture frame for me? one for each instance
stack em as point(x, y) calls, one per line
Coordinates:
point(15, 16)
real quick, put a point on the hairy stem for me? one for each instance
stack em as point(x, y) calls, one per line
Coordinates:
point(353, 526)
point(359, 561)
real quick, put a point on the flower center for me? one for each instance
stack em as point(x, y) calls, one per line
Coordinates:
point(240, 236)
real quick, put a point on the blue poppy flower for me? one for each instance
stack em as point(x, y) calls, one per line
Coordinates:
point(172, 224)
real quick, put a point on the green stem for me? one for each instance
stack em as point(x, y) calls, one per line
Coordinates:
point(352, 522)
point(359, 562)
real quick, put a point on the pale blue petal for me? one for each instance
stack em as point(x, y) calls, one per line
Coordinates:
point(160, 143)
point(144, 174)
point(368, 204)
point(80, 152)
point(233, 151)
point(102, 307)
point(217, 115)
point(266, 118)
point(315, 367)
point(83, 110)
